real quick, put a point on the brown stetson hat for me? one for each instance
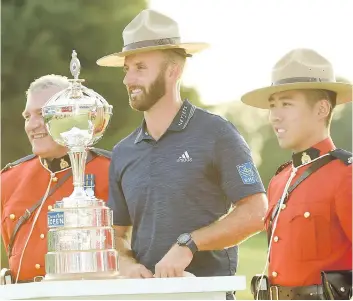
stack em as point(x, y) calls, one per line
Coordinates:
point(150, 30)
point(300, 69)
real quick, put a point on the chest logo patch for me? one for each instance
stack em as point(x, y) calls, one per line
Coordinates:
point(185, 157)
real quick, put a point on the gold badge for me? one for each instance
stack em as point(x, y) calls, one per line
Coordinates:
point(63, 164)
point(305, 158)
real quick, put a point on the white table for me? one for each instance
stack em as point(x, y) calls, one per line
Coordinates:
point(195, 288)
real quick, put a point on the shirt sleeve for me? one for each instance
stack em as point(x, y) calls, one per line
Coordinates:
point(343, 202)
point(116, 199)
point(238, 174)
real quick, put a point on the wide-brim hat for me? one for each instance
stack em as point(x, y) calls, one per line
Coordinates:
point(150, 30)
point(300, 69)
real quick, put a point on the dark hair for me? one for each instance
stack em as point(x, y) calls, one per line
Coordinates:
point(315, 95)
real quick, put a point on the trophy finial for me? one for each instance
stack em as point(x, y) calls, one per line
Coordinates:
point(75, 65)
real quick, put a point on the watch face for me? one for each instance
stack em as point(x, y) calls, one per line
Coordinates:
point(184, 238)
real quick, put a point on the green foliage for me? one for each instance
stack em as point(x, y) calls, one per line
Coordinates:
point(252, 259)
point(38, 38)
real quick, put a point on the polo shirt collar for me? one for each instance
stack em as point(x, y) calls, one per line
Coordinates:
point(142, 133)
point(180, 122)
point(182, 118)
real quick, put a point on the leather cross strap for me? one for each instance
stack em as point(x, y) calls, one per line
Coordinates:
point(314, 167)
point(29, 211)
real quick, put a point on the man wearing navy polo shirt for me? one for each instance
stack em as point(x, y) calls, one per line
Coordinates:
point(184, 182)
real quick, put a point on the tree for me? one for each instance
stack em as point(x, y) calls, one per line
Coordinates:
point(38, 39)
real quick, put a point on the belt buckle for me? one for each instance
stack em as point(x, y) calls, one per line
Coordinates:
point(38, 279)
point(275, 287)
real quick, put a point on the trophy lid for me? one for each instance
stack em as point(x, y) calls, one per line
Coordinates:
point(76, 115)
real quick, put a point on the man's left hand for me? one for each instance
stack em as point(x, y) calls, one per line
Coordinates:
point(174, 262)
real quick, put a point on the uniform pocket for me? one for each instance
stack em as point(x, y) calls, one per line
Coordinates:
point(310, 231)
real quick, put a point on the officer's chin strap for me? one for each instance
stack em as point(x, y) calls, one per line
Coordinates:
point(33, 224)
point(292, 175)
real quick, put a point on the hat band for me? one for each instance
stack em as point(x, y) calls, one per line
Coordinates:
point(151, 43)
point(292, 80)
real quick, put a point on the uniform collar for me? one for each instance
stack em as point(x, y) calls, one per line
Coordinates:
point(180, 122)
point(57, 164)
point(319, 149)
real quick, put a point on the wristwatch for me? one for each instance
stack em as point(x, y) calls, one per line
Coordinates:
point(186, 240)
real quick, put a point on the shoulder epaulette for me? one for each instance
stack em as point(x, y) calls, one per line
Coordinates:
point(283, 166)
point(343, 155)
point(17, 162)
point(101, 152)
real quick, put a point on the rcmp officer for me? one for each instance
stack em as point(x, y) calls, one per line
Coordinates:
point(44, 176)
point(309, 221)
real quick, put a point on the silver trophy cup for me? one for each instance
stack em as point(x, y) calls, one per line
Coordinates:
point(80, 238)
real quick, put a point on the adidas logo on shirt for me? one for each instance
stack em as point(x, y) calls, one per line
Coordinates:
point(184, 157)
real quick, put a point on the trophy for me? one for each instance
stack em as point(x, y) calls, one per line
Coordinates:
point(80, 238)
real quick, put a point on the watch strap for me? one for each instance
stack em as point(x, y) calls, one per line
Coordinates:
point(192, 246)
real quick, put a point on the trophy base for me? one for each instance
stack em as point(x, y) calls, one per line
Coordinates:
point(92, 262)
point(83, 276)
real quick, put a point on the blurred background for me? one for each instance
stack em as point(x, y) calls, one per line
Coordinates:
point(246, 38)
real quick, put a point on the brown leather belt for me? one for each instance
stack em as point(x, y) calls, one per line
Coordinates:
point(39, 279)
point(312, 292)
point(25, 281)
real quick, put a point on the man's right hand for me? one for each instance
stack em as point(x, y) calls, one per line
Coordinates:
point(130, 269)
point(128, 265)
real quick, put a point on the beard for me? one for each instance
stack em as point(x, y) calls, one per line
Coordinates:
point(147, 98)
